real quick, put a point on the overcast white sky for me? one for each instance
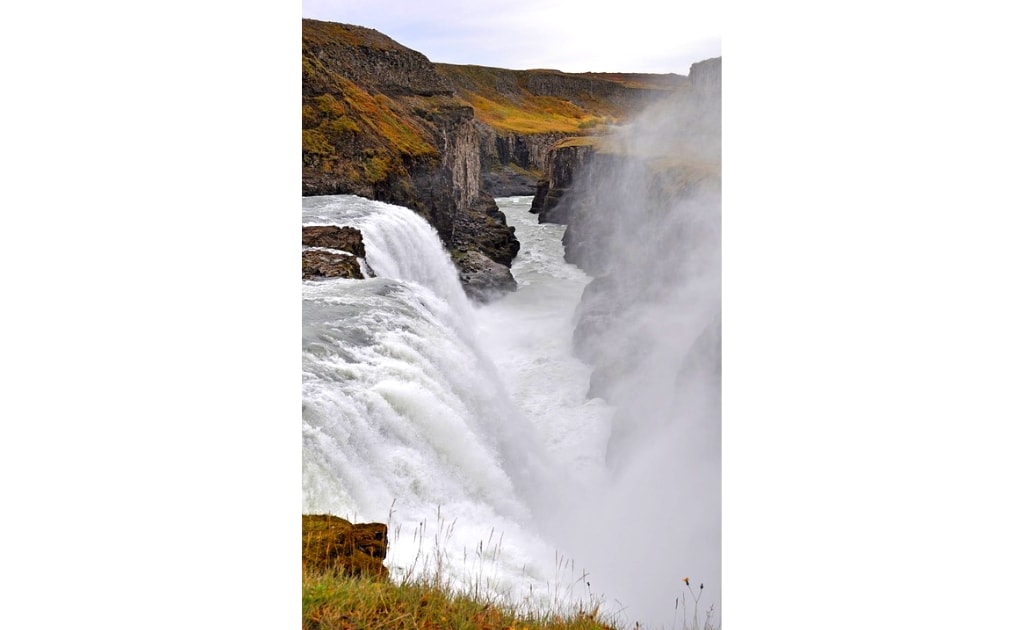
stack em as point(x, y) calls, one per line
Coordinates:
point(570, 35)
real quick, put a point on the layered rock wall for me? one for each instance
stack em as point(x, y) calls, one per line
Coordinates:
point(460, 155)
point(622, 91)
point(562, 162)
point(706, 78)
point(513, 162)
point(524, 113)
point(583, 89)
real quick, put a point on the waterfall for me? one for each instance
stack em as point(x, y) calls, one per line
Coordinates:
point(476, 433)
point(405, 418)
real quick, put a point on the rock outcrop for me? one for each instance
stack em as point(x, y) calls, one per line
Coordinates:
point(345, 238)
point(706, 78)
point(331, 251)
point(317, 263)
point(562, 162)
point(482, 278)
point(330, 543)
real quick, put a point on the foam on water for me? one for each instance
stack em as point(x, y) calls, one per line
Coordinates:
point(468, 428)
point(407, 419)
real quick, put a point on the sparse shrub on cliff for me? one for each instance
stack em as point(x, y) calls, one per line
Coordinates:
point(344, 124)
point(328, 106)
point(315, 148)
point(376, 167)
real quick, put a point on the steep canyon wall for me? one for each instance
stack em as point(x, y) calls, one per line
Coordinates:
point(381, 121)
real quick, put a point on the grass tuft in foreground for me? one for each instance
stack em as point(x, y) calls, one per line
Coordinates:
point(424, 597)
point(331, 601)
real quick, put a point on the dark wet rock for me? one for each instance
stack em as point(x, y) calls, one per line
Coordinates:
point(321, 263)
point(508, 181)
point(485, 230)
point(482, 278)
point(563, 163)
point(332, 251)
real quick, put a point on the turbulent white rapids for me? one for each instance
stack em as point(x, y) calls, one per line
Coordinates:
point(468, 429)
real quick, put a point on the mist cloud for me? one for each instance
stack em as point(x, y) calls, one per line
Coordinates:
point(646, 220)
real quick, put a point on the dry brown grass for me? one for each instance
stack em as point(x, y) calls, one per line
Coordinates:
point(333, 602)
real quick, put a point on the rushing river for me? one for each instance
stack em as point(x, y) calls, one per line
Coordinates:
point(468, 428)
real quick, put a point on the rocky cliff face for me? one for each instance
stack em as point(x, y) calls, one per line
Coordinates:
point(696, 102)
point(522, 114)
point(513, 162)
point(563, 161)
point(706, 78)
point(380, 122)
point(584, 89)
point(610, 92)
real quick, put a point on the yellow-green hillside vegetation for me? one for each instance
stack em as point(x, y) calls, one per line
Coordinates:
point(549, 101)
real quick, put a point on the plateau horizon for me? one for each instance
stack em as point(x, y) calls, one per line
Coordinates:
point(570, 36)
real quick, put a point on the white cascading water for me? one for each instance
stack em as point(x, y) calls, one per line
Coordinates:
point(406, 419)
point(467, 428)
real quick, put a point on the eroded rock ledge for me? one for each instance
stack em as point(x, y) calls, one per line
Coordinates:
point(483, 279)
point(331, 543)
point(338, 252)
point(343, 237)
